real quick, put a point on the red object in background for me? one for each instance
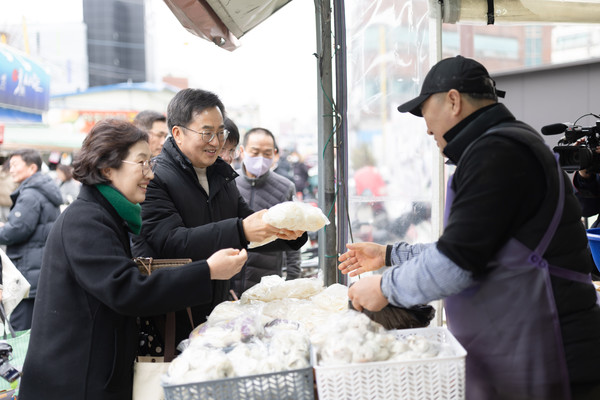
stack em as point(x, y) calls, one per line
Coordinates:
point(368, 178)
point(1, 133)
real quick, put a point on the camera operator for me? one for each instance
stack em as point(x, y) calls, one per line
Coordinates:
point(587, 185)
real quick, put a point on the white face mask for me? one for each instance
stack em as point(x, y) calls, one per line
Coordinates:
point(257, 166)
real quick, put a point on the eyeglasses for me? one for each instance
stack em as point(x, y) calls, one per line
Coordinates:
point(209, 136)
point(233, 153)
point(147, 165)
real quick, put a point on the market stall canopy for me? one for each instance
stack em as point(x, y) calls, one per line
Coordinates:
point(515, 11)
point(223, 22)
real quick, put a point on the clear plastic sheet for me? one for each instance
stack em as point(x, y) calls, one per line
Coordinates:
point(391, 157)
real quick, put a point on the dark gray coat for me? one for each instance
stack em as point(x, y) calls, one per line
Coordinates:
point(84, 336)
point(262, 193)
point(36, 205)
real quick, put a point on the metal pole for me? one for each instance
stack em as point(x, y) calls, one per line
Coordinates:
point(339, 13)
point(435, 55)
point(326, 192)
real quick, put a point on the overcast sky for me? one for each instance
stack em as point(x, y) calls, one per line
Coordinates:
point(275, 66)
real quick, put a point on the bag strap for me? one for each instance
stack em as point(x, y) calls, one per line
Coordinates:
point(146, 262)
point(6, 322)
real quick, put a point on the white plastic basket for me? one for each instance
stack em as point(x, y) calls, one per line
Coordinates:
point(440, 378)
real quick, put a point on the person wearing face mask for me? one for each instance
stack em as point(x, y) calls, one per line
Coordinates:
point(263, 188)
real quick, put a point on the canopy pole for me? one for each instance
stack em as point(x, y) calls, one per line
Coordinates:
point(326, 142)
point(439, 190)
point(339, 12)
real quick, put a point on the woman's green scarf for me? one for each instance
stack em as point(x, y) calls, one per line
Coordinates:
point(131, 213)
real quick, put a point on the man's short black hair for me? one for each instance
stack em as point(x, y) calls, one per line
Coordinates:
point(234, 133)
point(144, 119)
point(187, 103)
point(263, 131)
point(29, 156)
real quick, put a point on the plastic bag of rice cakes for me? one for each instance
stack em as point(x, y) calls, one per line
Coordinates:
point(295, 216)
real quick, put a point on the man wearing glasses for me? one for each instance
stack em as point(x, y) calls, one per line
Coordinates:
point(193, 207)
point(155, 124)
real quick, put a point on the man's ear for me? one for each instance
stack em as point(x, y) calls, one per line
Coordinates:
point(456, 101)
point(177, 134)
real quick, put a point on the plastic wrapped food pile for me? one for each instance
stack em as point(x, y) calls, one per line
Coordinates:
point(273, 325)
point(352, 337)
point(241, 347)
point(268, 330)
point(295, 216)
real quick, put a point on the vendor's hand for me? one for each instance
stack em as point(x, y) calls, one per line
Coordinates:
point(362, 257)
point(257, 230)
point(287, 234)
point(366, 294)
point(225, 263)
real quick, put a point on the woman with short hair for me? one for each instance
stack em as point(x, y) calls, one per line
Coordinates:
point(84, 335)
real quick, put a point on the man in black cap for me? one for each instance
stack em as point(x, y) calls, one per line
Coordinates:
point(512, 264)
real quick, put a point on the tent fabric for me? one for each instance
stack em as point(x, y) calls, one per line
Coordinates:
point(223, 22)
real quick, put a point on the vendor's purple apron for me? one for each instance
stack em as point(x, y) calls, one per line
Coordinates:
point(508, 322)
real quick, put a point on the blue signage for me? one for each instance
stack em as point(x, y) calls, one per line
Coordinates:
point(24, 85)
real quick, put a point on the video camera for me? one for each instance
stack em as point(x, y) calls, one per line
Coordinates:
point(577, 148)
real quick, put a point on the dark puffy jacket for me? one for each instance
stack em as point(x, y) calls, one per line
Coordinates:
point(262, 193)
point(180, 220)
point(36, 205)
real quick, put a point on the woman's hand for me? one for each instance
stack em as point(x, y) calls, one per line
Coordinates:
point(362, 257)
point(225, 263)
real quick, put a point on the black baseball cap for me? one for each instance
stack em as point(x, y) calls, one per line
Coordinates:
point(460, 73)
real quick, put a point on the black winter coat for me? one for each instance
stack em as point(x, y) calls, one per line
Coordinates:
point(179, 220)
point(84, 336)
point(36, 205)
